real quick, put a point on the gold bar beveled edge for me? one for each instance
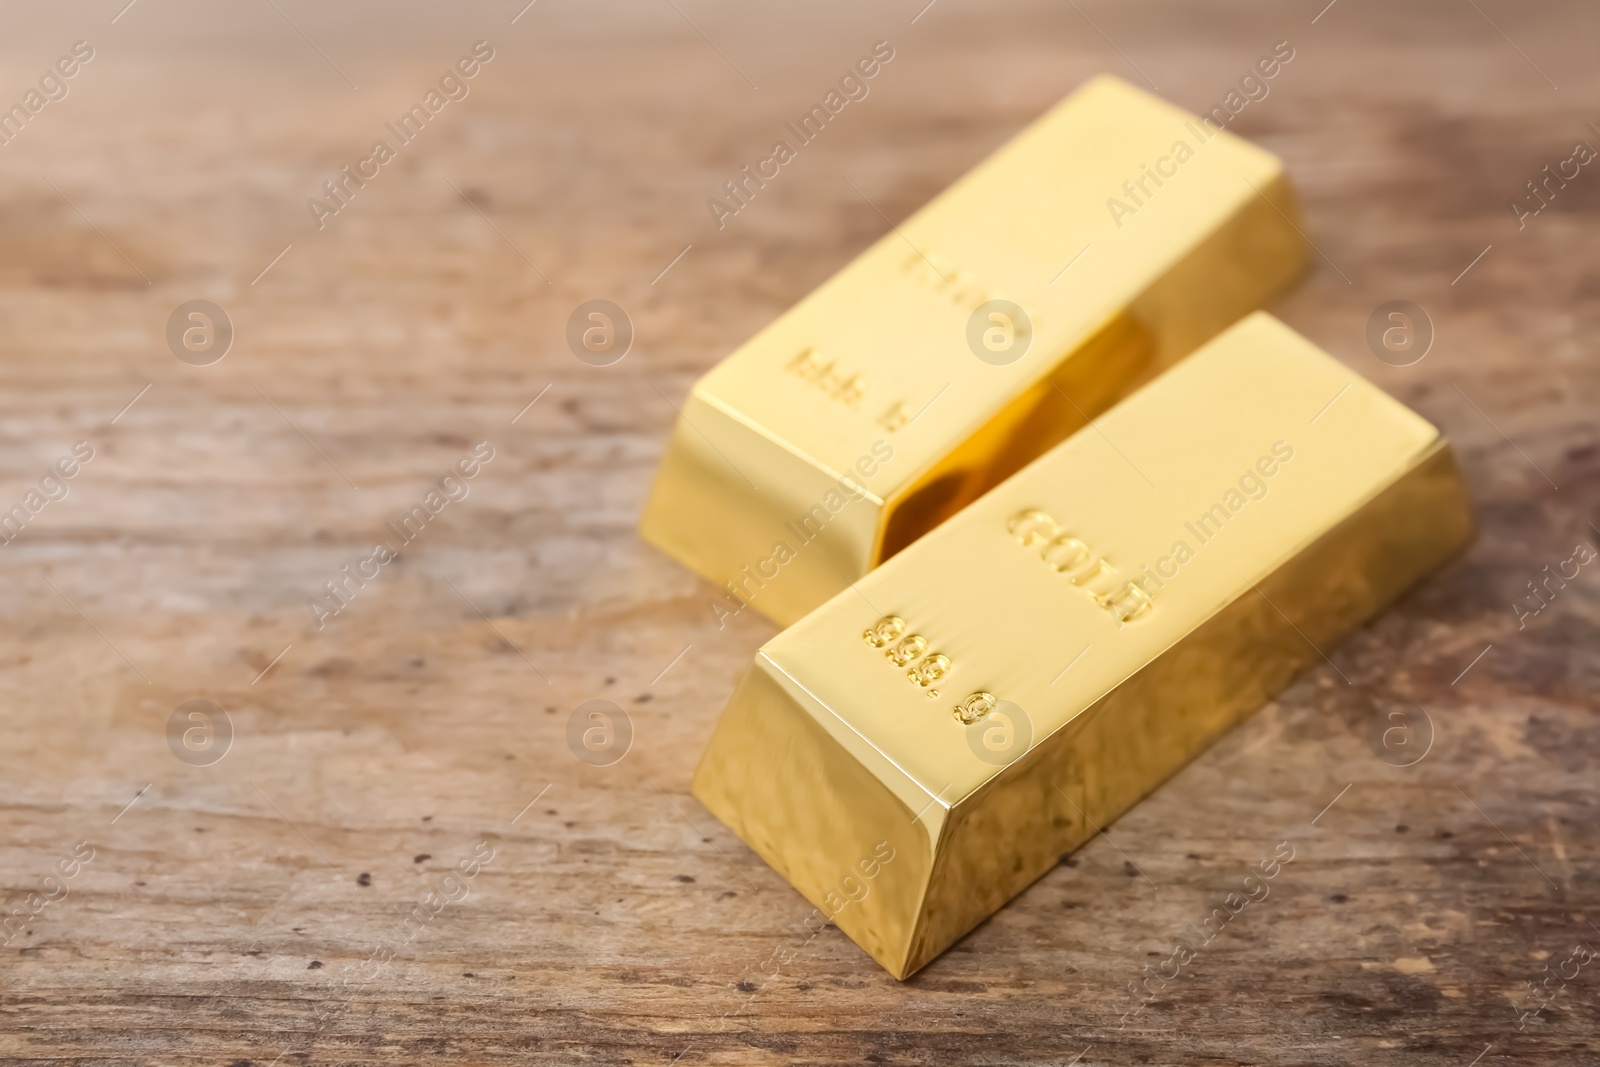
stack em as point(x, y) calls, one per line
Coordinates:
point(733, 414)
point(1437, 461)
point(740, 728)
point(691, 466)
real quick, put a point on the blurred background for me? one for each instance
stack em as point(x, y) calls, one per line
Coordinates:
point(253, 890)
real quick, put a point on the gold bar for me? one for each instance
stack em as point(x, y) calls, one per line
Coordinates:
point(1040, 662)
point(1126, 231)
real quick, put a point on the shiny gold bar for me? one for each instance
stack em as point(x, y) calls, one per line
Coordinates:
point(1103, 242)
point(975, 707)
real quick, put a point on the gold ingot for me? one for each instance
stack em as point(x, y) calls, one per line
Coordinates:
point(1102, 243)
point(1100, 618)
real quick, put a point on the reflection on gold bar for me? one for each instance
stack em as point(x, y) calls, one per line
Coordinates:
point(1125, 230)
point(1026, 672)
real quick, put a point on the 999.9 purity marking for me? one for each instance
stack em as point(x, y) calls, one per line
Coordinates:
point(839, 384)
point(907, 650)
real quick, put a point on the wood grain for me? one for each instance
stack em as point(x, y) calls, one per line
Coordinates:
point(252, 911)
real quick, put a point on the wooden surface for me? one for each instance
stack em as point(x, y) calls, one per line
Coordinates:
point(229, 915)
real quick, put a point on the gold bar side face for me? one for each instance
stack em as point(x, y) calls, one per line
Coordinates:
point(1126, 232)
point(1047, 657)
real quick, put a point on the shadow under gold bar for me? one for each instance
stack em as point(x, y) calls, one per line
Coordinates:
point(1103, 242)
point(981, 703)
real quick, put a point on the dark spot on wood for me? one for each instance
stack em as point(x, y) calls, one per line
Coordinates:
point(468, 974)
point(337, 667)
point(726, 894)
point(642, 698)
point(419, 857)
point(1348, 1000)
point(1338, 898)
point(1402, 828)
point(1447, 834)
point(1069, 861)
point(1070, 904)
point(611, 681)
point(314, 965)
point(1129, 869)
point(745, 987)
point(427, 818)
point(364, 879)
point(683, 878)
point(1194, 855)
point(416, 663)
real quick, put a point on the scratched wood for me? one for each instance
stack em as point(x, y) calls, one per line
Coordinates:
point(307, 899)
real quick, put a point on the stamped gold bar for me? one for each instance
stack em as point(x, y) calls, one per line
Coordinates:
point(979, 704)
point(1103, 242)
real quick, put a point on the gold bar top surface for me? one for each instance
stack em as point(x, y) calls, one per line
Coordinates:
point(1144, 487)
point(1110, 237)
point(1047, 657)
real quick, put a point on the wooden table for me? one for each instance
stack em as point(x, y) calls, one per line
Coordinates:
point(253, 910)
